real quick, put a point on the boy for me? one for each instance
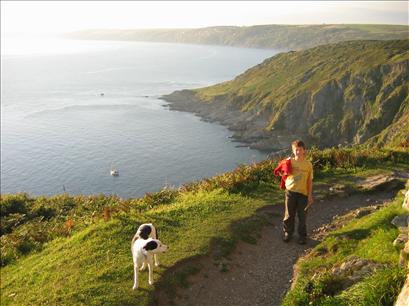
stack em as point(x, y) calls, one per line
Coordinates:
point(298, 193)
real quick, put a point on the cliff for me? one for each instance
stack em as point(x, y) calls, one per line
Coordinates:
point(338, 94)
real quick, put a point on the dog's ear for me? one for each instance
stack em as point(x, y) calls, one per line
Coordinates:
point(151, 245)
point(144, 231)
point(143, 235)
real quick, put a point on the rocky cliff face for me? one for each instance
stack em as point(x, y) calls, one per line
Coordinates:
point(349, 104)
point(351, 109)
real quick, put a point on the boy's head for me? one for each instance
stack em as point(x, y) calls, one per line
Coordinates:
point(298, 148)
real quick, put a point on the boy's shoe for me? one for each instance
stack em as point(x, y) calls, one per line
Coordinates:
point(302, 240)
point(286, 237)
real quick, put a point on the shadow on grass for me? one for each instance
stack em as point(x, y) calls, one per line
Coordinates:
point(247, 229)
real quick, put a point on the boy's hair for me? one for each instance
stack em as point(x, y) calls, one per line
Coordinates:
point(299, 144)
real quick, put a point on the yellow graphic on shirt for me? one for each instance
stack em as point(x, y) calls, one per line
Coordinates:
point(297, 181)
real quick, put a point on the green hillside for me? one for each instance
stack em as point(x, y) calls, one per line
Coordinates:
point(69, 250)
point(346, 93)
point(282, 37)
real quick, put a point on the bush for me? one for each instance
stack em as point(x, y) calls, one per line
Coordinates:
point(348, 158)
point(10, 204)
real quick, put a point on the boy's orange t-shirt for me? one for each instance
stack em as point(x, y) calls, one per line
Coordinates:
point(301, 172)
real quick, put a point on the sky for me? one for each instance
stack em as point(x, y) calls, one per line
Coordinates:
point(38, 17)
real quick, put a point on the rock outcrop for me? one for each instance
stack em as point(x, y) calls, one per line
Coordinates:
point(354, 270)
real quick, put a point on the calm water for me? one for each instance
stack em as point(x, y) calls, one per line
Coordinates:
point(58, 130)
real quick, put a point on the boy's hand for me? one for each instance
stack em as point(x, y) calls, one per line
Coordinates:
point(310, 201)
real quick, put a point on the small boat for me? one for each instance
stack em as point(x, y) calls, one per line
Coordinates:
point(114, 172)
point(101, 94)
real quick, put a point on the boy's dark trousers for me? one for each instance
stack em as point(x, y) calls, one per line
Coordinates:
point(295, 203)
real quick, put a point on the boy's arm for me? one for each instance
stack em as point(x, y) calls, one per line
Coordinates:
point(309, 188)
point(310, 197)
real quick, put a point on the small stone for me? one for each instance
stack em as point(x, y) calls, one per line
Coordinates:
point(360, 263)
point(366, 270)
point(362, 212)
point(406, 201)
point(406, 248)
point(401, 221)
point(403, 259)
point(343, 266)
point(400, 241)
point(354, 279)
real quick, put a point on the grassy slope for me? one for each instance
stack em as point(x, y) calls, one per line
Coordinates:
point(94, 266)
point(262, 36)
point(293, 77)
point(370, 238)
point(283, 76)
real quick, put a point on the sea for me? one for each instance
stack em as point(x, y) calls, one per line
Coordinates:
point(73, 110)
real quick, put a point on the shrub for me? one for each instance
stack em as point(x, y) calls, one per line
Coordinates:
point(17, 203)
point(354, 157)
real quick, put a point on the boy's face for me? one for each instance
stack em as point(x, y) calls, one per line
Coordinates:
point(298, 151)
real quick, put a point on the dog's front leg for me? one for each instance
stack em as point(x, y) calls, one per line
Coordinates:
point(156, 260)
point(143, 267)
point(135, 271)
point(150, 268)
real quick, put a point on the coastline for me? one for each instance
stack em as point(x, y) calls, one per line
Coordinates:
point(250, 133)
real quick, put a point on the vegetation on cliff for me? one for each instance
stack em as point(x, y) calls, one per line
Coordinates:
point(282, 37)
point(346, 93)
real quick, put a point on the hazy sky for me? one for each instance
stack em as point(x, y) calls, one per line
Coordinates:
point(63, 16)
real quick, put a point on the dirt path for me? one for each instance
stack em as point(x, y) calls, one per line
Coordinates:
point(261, 274)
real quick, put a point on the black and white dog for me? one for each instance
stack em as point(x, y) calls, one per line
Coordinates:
point(146, 231)
point(145, 246)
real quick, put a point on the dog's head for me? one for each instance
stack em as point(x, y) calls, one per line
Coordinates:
point(154, 246)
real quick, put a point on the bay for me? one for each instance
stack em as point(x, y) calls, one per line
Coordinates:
point(71, 112)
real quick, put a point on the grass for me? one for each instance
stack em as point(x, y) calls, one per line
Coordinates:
point(369, 238)
point(90, 263)
point(94, 266)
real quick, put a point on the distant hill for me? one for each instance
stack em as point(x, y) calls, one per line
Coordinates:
point(345, 93)
point(282, 37)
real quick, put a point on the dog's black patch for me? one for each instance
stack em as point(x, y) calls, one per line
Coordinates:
point(151, 245)
point(145, 232)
